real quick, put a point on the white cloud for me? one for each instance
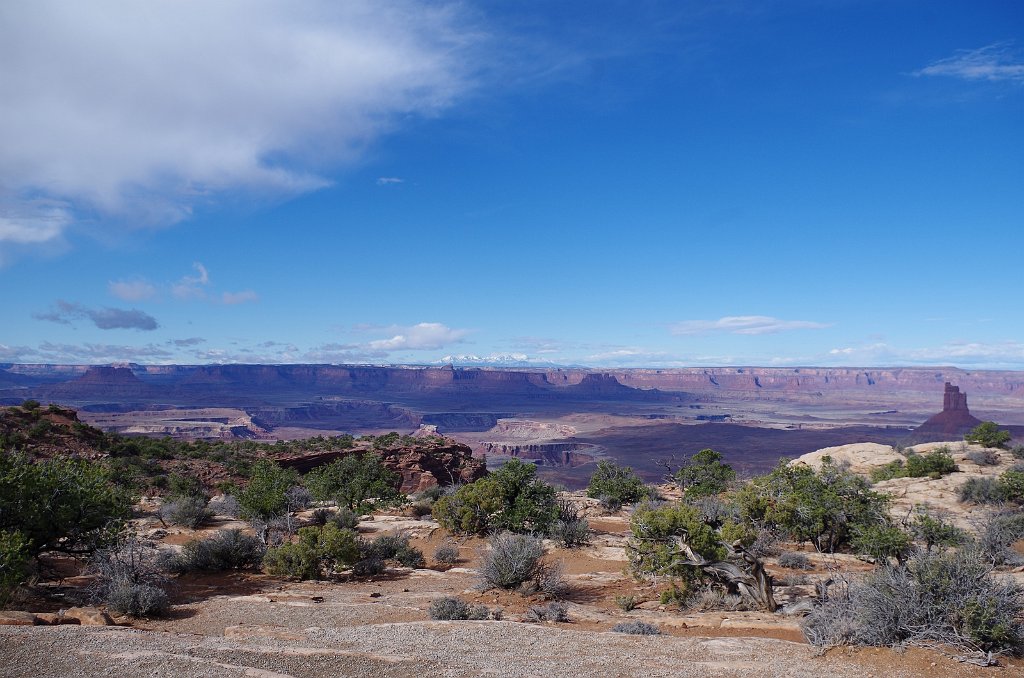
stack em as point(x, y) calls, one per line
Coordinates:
point(387, 181)
point(744, 324)
point(131, 290)
point(136, 112)
point(993, 63)
point(424, 336)
point(191, 286)
point(994, 355)
point(66, 312)
point(239, 297)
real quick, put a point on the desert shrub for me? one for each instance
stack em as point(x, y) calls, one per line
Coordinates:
point(986, 457)
point(391, 547)
point(707, 600)
point(705, 475)
point(179, 485)
point(677, 594)
point(448, 608)
point(188, 512)
point(571, 529)
point(510, 499)
point(430, 494)
point(988, 434)
point(359, 482)
point(129, 580)
point(637, 628)
point(451, 608)
point(345, 518)
point(1017, 451)
point(447, 553)
point(933, 530)
point(14, 563)
point(982, 491)
point(319, 551)
point(265, 496)
point(626, 603)
point(822, 507)
point(293, 559)
point(512, 560)
point(996, 536)
point(225, 505)
point(795, 561)
point(224, 550)
point(554, 612)
point(940, 597)
point(616, 485)
point(297, 498)
point(1012, 484)
point(320, 517)
point(61, 504)
point(881, 541)
point(933, 464)
point(652, 550)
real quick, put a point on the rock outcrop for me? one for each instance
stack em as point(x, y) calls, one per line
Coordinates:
point(421, 466)
point(954, 420)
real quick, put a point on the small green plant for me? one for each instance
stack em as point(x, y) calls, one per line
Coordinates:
point(186, 511)
point(626, 603)
point(933, 464)
point(988, 434)
point(982, 491)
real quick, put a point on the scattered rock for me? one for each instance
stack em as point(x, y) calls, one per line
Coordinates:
point(18, 618)
point(88, 616)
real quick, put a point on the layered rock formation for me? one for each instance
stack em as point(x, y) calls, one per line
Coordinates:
point(954, 420)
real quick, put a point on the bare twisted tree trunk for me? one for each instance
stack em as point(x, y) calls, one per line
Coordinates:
point(741, 572)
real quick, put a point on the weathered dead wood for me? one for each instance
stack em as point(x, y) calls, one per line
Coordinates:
point(741, 572)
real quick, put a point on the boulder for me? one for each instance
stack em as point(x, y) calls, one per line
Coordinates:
point(19, 618)
point(88, 616)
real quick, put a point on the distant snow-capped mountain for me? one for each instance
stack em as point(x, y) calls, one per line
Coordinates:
point(494, 360)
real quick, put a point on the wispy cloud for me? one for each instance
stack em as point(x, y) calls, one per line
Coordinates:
point(994, 63)
point(131, 290)
point(191, 341)
point(66, 312)
point(424, 336)
point(744, 324)
point(191, 286)
point(136, 113)
point(994, 355)
point(242, 297)
point(389, 181)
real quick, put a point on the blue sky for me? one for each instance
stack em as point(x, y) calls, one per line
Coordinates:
point(608, 184)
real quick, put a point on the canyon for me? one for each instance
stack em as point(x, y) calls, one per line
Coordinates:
point(562, 419)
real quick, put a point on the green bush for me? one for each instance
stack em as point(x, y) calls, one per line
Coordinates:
point(360, 483)
point(14, 563)
point(988, 434)
point(652, 550)
point(319, 552)
point(616, 485)
point(265, 496)
point(392, 547)
point(934, 464)
point(511, 499)
point(1012, 483)
point(61, 504)
point(933, 531)
point(705, 475)
point(822, 507)
point(881, 542)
